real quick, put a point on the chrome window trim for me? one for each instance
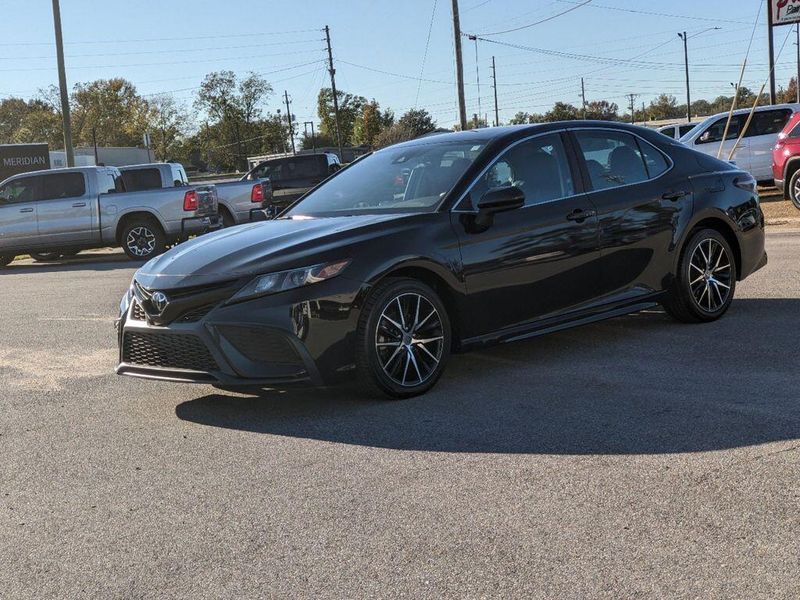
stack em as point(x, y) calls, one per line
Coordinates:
point(649, 179)
point(456, 210)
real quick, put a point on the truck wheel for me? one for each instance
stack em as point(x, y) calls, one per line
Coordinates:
point(227, 218)
point(45, 256)
point(143, 239)
point(5, 260)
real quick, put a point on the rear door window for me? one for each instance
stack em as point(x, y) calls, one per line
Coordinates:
point(613, 158)
point(62, 185)
point(654, 160)
point(307, 167)
point(137, 180)
point(769, 122)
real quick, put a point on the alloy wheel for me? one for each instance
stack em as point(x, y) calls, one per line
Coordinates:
point(409, 339)
point(710, 275)
point(141, 241)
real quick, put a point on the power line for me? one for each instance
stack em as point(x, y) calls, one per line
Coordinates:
point(425, 55)
point(658, 14)
point(550, 18)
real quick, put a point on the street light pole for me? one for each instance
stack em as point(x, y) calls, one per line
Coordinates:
point(62, 84)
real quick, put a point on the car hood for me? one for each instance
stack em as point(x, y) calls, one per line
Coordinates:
point(256, 248)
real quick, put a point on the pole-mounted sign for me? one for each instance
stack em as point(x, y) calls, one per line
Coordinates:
point(779, 12)
point(784, 12)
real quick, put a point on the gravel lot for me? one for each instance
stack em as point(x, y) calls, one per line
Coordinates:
point(634, 458)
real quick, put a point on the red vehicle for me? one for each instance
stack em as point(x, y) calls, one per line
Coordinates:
point(786, 160)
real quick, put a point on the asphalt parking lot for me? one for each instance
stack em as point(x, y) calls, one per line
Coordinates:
point(634, 458)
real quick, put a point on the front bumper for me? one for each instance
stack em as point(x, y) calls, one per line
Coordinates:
point(303, 336)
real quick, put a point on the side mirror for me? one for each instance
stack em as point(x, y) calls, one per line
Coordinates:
point(501, 200)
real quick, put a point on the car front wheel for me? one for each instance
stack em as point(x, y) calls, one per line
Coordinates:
point(706, 281)
point(404, 339)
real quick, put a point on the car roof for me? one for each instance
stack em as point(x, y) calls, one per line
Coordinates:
point(506, 133)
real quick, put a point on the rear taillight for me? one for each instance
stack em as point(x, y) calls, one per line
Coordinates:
point(746, 183)
point(257, 193)
point(190, 200)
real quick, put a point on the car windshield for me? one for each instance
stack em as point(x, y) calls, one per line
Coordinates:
point(410, 178)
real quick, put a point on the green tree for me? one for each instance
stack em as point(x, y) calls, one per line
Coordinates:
point(562, 111)
point(168, 123)
point(112, 108)
point(234, 109)
point(417, 121)
point(665, 106)
point(350, 108)
point(602, 110)
point(370, 123)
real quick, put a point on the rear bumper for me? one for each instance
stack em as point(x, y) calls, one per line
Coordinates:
point(200, 225)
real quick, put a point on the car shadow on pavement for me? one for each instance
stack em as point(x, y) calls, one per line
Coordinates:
point(82, 262)
point(637, 385)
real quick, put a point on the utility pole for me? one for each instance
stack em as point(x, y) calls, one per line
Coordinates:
point(798, 64)
point(313, 138)
point(771, 40)
point(462, 106)
point(289, 119)
point(474, 38)
point(62, 84)
point(583, 97)
point(332, 71)
point(632, 98)
point(496, 110)
point(685, 39)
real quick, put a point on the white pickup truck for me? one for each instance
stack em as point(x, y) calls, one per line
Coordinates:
point(239, 201)
point(62, 211)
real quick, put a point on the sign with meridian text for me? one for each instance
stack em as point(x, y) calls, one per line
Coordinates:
point(784, 12)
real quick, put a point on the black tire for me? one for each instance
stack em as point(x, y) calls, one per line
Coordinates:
point(706, 280)
point(226, 217)
point(5, 260)
point(45, 256)
point(794, 189)
point(398, 315)
point(69, 253)
point(142, 239)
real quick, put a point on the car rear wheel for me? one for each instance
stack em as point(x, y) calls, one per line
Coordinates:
point(404, 339)
point(706, 281)
point(794, 189)
point(143, 239)
point(5, 260)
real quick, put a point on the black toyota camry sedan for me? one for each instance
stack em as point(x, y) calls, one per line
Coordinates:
point(443, 244)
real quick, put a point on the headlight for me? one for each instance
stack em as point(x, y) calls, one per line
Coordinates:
point(273, 283)
point(125, 303)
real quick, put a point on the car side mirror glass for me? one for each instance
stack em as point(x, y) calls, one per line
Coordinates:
point(501, 200)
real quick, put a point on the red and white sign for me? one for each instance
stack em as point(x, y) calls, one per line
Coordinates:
point(785, 12)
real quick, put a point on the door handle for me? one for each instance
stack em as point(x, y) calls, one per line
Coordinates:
point(675, 196)
point(579, 215)
point(79, 205)
point(26, 210)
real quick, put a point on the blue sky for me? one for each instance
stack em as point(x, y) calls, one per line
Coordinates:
point(379, 48)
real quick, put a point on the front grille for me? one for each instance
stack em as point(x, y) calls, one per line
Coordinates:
point(261, 345)
point(138, 313)
point(167, 351)
point(196, 314)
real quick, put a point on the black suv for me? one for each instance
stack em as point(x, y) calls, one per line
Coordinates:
point(293, 176)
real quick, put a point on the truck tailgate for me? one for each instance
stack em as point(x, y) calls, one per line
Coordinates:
point(207, 201)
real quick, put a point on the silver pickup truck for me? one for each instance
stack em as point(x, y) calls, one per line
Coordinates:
point(239, 201)
point(63, 211)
